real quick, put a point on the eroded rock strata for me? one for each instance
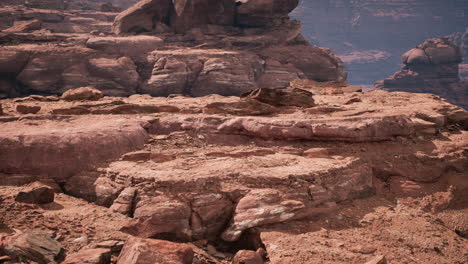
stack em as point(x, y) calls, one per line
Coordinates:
point(246, 144)
point(174, 170)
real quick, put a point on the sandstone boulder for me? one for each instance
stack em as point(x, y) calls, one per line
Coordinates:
point(36, 195)
point(286, 97)
point(191, 13)
point(81, 94)
point(145, 16)
point(28, 109)
point(89, 256)
point(247, 257)
point(149, 251)
point(161, 215)
point(32, 246)
point(263, 12)
point(267, 206)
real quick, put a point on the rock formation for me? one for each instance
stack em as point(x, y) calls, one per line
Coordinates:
point(432, 67)
point(131, 148)
point(225, 53)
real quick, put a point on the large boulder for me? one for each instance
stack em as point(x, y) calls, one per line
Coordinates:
point(37, 194)
point(33, 246)
point(145, 16)
point(192, 13)
point(263, 12)
point(82, 93)
point(150, 251)
point(316, 63)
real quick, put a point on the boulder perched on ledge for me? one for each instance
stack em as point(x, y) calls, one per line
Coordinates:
point(431, 67)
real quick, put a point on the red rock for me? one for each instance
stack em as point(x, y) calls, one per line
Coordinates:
point(267, 206)
point(150, 251)
point(377, 260)
point(89, 256)
point(137, 156)
point(32, 246)
point(247, 257)
point(160, 215)
point(278, 97)
point(63, 148)
point(125, 201)
point(317, 153)
point(145, 16)
point(83, 93)
point(75, 110)
point(244, 107)
point(36, 195)
point(25, 26)
point(28, 109)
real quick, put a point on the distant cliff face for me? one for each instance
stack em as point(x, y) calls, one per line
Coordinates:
point(366, 27)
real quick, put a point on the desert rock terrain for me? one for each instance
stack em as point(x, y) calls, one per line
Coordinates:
point(166, 134)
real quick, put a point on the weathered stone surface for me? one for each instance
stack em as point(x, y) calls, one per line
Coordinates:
point(148, 251)
point(145, 16)
point(25, 26)
point(48, 149)
point(286, 97)
point(316, 63)
point(132, 45)
point(36, 195)
point(193, 13)
point(28, 109)
point(82, 94)
point(89, 256)
point(243, 107)
point(267, 206)
point(204, 71)
point(38, 247)
point(124, 203)
point(263, 12)
point(247, 257)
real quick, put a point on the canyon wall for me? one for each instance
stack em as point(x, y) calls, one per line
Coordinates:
point(371, 35)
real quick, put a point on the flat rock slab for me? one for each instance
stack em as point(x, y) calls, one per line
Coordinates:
point(65, 146)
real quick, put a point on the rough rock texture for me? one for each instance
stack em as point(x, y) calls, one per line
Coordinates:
point(33, 246)
point(36, 195)
point(431, 67)
point(83, 93)
point(247, 257)
point(28, 148)
point(89, 256)
point(249, 176)
point(148, 251)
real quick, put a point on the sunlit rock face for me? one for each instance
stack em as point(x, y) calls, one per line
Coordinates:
point(391, 26)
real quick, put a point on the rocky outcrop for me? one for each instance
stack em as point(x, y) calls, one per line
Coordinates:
point(432, 67)
point(148, 251)
point(371, 35)
point(226, 49)
point(45, 151)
